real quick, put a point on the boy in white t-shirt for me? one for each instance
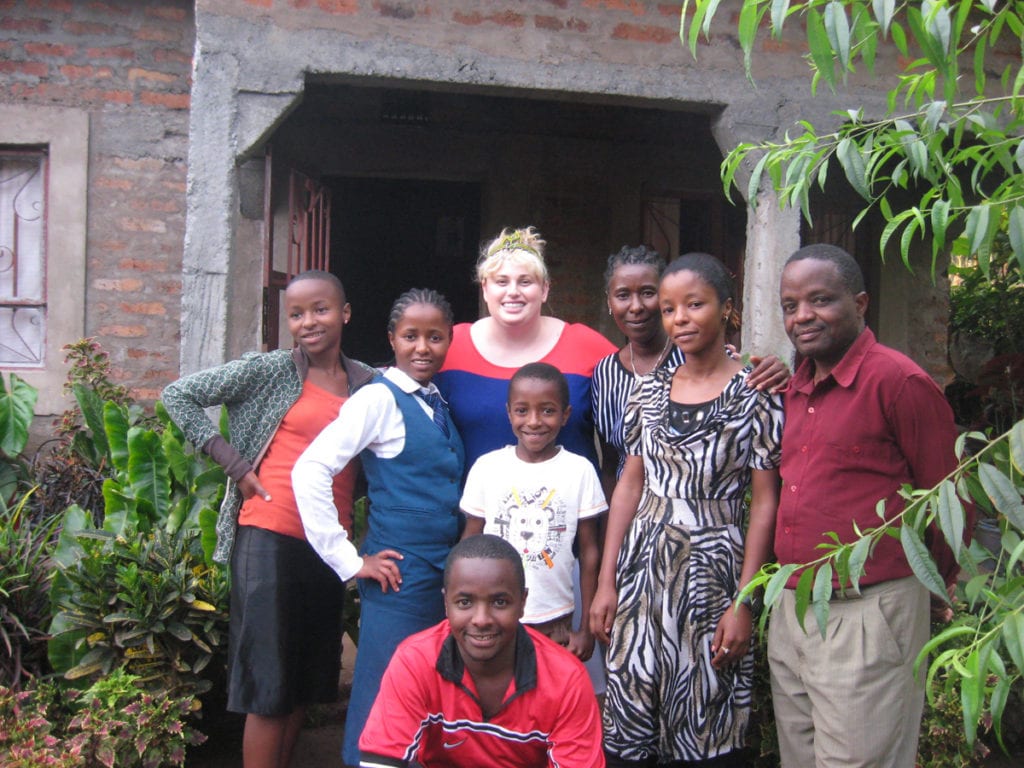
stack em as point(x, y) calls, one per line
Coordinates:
point(539, 497)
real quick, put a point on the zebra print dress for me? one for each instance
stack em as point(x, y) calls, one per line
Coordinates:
point(677, 571)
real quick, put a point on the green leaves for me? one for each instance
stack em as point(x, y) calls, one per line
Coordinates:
point(852, 162)
point(17, 407)
point(948, 169)
point(921, 562)
point(1003, 494)
point(142, 602)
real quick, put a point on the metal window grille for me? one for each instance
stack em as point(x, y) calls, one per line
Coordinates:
point(23, 257)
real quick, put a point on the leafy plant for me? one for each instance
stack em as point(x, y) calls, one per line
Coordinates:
point(988, 311)
point(17, 408)
point(990, 307)
point(144, 602)
point(88, 370)
point(24, 610)
point(154, 478)
point(951, 135)
point(941, 743)
point(112, 723)
point(29, 737)
point(119, 724)
point(139, 590)
point(74, 470)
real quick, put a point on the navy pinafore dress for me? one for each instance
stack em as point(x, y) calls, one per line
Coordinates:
point(414, 509)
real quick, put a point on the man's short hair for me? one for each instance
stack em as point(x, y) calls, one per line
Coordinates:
point(485, 546)
point(847, 267)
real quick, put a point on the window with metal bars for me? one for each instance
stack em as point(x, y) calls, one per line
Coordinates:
point(23, 211)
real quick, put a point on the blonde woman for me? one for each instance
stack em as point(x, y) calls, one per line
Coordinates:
point(514, 284)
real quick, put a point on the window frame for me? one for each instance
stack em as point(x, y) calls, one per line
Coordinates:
point(64, 133)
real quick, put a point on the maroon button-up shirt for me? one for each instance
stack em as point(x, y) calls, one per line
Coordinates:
point(876, 422)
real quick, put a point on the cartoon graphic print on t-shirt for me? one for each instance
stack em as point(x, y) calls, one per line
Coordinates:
point(533, 522)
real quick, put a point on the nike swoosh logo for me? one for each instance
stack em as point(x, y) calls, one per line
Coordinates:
point(456, 744)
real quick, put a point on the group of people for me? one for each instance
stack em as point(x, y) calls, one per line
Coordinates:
point(503, 551)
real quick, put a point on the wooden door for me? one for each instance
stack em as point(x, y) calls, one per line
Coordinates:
point(308, 239)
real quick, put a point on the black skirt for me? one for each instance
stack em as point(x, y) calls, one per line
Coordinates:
point(284, 648)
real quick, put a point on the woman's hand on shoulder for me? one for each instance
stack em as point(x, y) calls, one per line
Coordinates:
point(383, 568)
point(770, 374)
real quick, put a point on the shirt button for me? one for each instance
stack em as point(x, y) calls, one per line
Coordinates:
point(856, 449)
point(787, 529)
point(792, 488)
point(803, 449)
point(811, 409)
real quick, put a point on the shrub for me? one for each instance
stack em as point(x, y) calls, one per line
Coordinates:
point(25, 566)
point(27, 735)
point(119, 724)
point(145, 602)
point(112, 723)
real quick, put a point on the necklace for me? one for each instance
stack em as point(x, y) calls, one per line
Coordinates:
point(657, 362)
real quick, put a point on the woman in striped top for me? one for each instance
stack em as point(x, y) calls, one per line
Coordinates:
point(631, 285)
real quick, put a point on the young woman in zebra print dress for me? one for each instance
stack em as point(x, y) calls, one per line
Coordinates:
point(679, 666)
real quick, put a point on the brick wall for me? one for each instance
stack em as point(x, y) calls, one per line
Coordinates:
point(127, 64)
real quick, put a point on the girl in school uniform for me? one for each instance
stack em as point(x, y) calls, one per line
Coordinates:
point(413, 459)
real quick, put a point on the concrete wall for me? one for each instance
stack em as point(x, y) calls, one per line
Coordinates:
point(127, 67)
point(254, 58)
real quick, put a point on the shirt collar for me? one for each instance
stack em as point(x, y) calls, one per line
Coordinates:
point(407, 383)
point(451, 667)
point(358, 373)
point(844, 372)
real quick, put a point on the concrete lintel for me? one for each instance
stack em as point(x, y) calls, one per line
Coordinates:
point(270, 61)
point(259, 115)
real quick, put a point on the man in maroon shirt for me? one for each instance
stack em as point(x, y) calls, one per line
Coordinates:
point(861, 421)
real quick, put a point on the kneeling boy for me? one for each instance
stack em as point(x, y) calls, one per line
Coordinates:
point(480, 689)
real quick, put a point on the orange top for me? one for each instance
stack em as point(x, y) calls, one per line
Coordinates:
point(314, 410)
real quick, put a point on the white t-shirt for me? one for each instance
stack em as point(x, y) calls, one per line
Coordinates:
point(535, 507)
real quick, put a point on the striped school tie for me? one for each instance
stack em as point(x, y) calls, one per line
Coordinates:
point(436, 403)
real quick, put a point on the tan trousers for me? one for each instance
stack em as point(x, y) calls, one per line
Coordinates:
point(850, 699)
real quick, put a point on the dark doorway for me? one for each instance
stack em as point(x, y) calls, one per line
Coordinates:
point(389, 235)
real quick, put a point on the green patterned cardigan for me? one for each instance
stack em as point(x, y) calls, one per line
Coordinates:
point(257, 390)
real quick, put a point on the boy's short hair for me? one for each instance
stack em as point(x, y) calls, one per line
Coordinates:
point(544, 372)
point(486, 546)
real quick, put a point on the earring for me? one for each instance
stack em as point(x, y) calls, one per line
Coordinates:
point(609, 310)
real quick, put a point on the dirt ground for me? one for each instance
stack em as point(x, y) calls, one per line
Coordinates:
point(318, 747)
point(320, 741)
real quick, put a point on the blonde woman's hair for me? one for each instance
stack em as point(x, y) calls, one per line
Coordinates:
point(513, 246)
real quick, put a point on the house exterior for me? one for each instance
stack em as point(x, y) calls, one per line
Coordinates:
point(166, 165)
